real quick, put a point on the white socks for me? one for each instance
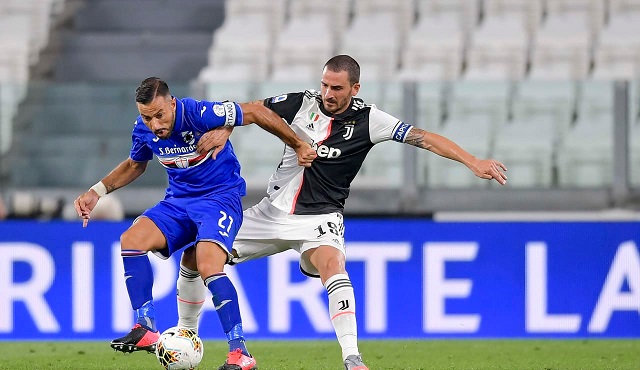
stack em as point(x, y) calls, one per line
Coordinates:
point(342, 308)
point(191, 296)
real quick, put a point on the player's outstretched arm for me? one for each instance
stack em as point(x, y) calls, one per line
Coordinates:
point(123, 174)
point(271, 122)
point(214, 140)
point(483, 168)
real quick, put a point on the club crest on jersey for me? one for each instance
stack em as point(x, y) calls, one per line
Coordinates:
point(349, 127)
point(181, 162)
point(188, 137)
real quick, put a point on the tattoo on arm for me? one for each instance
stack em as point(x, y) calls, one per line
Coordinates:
point(110, 188)
point(416, 138)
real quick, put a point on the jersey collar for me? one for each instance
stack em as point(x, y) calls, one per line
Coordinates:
point(179, 115)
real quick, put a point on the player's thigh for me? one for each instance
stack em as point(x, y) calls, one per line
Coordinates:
point(218, 219)
point(143, 235)
point(246, 250)
point(171, 218)
point(323, 230)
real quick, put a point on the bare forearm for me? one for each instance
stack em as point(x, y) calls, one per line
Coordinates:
point(271, 122)
point(125, 173)
point(440, 145)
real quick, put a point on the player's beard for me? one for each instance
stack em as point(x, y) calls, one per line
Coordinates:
point(169, 130)
point(336, 106)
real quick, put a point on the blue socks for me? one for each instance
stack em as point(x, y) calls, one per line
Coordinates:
point(138, 277)
point(225, 301)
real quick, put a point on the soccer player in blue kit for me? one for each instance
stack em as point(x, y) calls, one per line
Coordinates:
point(202, 203)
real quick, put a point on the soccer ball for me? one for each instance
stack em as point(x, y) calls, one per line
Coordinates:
point(179, 348)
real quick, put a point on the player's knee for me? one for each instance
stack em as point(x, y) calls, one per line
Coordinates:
point(210, 258)
point(189, 259)
point(331, 264)
point(133, 241)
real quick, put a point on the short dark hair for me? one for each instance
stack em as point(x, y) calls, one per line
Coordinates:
point(150, 88)
point(343, 62)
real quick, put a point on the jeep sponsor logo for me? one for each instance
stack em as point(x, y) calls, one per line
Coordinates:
point(326, 151)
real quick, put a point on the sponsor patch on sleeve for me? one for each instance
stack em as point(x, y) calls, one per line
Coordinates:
point(218, 110)
point(279, 98)
point(400, 131)
point(230, 113)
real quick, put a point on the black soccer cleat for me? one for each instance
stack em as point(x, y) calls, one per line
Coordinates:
point(138, 339)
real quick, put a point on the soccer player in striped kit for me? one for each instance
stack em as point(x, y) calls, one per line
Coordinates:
point(303, 210)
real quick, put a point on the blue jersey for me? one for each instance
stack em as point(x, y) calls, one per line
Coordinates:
point(190, 173)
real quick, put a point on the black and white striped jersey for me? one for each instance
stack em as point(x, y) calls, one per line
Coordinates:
point(342, 142)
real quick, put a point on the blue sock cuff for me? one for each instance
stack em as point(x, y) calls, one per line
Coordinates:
point(146, 315)
point(235, 333)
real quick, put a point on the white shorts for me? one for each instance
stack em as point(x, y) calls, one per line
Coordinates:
point(267, 230)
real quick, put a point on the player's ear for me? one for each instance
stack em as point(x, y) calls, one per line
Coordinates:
point(355, 89)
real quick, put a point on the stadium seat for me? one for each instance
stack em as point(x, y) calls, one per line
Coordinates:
point(634, 150)
point(592, 11)
point(585, 156)
point(467, 11)
point(338, 11)
point(241, 40)
point(528, 149)
point(403, 13)
point(620, 7)
point(473, 112)
point(546, 100)
point(528, 11)
point(561, 49)
point(585, 153)
point(473, 134)
point(300, 55)
point(382, 169)
point(274, 12)
point(259, 153)
point(373, 40)
point(498, 50)
point(434, 49)
point(617, 54)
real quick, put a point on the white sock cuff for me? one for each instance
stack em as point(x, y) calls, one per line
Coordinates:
point(337, 283)
point(188, 273)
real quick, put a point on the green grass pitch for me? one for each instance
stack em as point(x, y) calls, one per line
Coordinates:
point(320, 355)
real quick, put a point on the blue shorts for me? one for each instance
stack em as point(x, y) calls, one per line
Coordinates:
point(185, 221)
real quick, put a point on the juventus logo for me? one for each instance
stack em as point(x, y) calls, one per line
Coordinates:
point(343, 305)
point(347, 135)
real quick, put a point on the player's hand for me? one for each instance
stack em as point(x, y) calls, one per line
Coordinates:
point(306, 154)
point(84, 204)
point(214, 140)
point(491, 169)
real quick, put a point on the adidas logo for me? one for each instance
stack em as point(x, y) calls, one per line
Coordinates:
point(310, 126)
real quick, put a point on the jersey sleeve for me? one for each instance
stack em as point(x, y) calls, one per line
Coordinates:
point(286, 105)
point(214, 114)
point(140, 151)
point(383, 127)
